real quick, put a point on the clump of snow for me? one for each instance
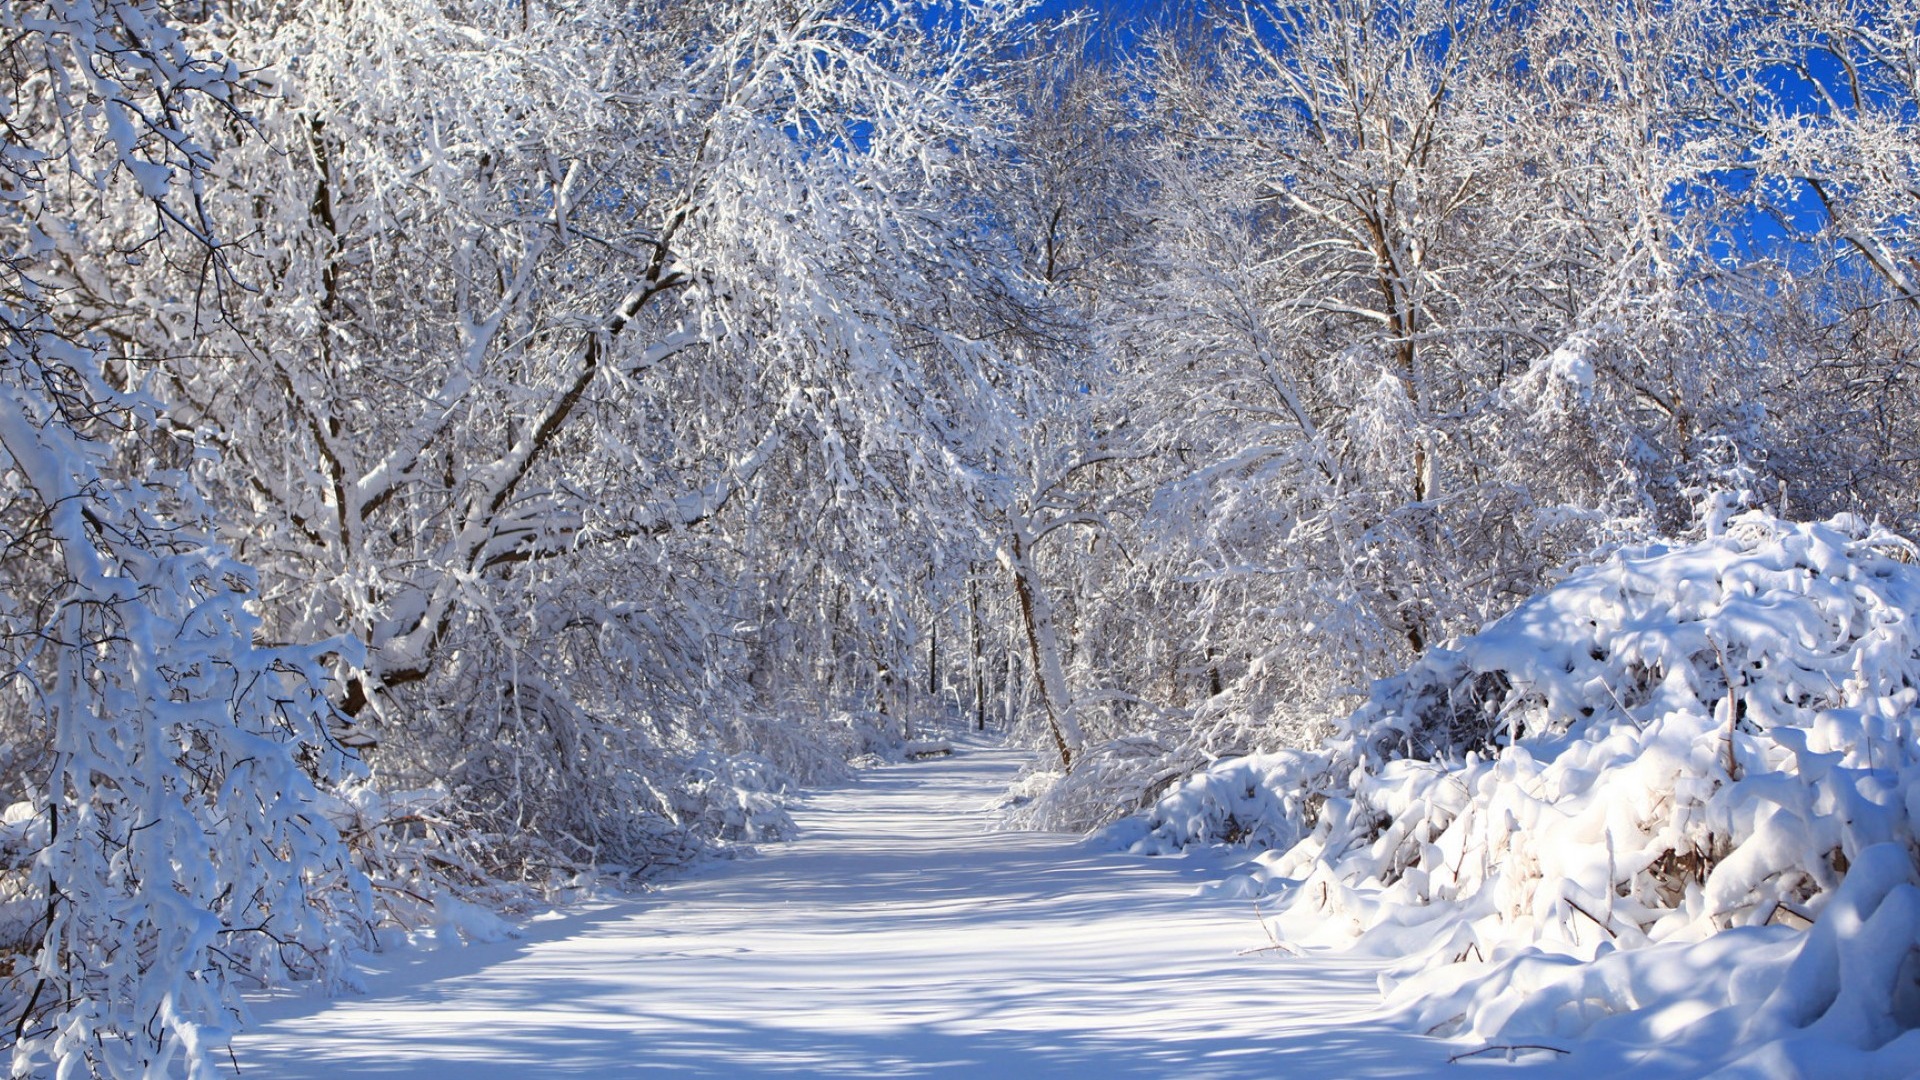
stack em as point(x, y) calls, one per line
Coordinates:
point(1570, 365)
point(1616, 812)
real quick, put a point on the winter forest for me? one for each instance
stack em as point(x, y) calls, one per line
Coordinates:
point(1459, 453)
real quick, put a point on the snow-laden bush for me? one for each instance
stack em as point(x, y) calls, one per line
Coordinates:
point(808, 746)
point(1110, 779)
point(1560, 818)
point(734, 797)
point(1262, 800)
point(435, 881)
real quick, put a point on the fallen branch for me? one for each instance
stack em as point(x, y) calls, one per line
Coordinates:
point(1274, 943)
point(1508, 1048)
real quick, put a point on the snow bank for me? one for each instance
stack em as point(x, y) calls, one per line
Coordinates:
point(1614, 813)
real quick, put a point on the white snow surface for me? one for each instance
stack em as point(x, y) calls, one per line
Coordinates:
point(898, 935)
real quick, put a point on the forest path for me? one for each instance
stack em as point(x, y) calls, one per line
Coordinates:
point(896, 937)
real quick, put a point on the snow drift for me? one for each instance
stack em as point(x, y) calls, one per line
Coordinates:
point(1667, 804)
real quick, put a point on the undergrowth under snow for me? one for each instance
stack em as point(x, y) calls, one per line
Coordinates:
point(1668, 804)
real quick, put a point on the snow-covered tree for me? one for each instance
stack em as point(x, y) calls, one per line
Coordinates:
point(170, 843)
point(576, 349)
point(1422, 301)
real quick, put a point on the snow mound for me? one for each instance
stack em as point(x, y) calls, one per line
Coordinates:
point(1615, 813)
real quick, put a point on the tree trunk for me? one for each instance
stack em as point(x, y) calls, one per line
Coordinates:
point(977, 663)
point(1036, 613)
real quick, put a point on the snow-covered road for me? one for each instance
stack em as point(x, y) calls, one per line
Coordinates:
point(895, 937)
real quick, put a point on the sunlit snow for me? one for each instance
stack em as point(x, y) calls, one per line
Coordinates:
point(897, 937)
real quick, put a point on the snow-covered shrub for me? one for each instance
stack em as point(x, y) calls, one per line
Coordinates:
point(1675, 744)
point(434, 880)
point(734, 797)
point(1116, 777)
point(1841, 998)
point(810, 748)
point(1260, 800)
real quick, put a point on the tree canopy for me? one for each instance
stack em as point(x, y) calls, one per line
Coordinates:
point(448, 449)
